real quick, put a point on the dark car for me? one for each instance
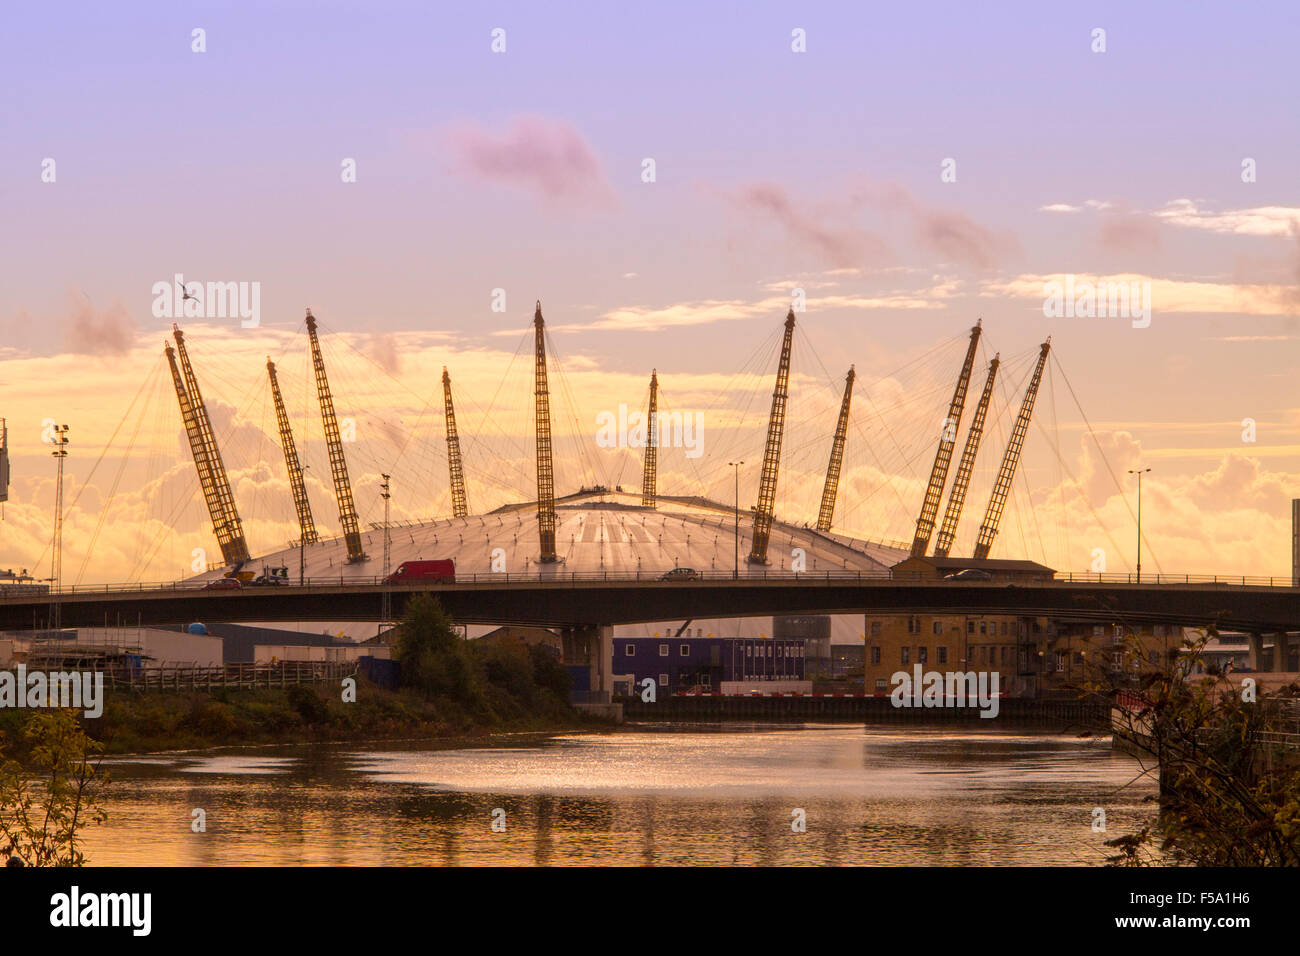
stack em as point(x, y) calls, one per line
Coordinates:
point(970, 574)
point(223, 584)
point(681, 574)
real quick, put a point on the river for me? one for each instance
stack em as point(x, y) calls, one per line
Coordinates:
point(655, 795)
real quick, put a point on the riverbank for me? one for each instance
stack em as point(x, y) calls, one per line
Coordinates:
point(196, 720)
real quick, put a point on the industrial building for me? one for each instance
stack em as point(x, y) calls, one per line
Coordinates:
point(709, 665)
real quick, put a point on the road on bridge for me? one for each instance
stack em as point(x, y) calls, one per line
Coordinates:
point(593, 600)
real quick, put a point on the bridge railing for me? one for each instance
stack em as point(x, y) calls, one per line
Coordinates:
point(555, 576)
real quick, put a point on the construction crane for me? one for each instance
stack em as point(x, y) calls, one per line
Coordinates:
point(334, 442)
point(943, 457)
point(772, 452)
point(957, 497)
point(651, 444)
point(545, 470)
point(207, 457)
point(306, 526)
point(998, 500)
point(459, 503)
point(837, 458)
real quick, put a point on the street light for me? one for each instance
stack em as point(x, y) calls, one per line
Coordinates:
point(1139, 472)
point(735, 574)
point(302, 535)
point(387, 611)
point(60, 440)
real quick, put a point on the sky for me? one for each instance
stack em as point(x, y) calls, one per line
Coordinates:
point(663, 180)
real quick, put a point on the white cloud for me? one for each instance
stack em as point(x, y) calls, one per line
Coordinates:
point(1276, 221)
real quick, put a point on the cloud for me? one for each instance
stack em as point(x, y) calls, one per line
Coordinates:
point(1167, 295)
point(1126, 231)
point(633, 318)
point(107, 333)
point(1276, 221)
point(642, 319)
point(959, 238)
point(383, 350)
point(948, 233)
point(844, 247)
point(847, 248)
point(548, 158)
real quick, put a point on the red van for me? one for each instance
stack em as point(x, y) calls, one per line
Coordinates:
point(410, 571)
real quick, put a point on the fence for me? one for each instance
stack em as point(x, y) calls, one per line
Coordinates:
point(882, 577)
point(184, 677)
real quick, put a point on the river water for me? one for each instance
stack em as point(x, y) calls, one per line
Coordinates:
point(657, 795)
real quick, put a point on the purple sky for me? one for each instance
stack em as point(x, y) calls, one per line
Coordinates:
point(774, 169)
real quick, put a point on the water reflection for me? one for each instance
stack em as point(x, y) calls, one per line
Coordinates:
point(655, 796)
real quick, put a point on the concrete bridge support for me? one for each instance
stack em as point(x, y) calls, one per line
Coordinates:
point(1256, 650)
point(1281, 655)
point(593, 645)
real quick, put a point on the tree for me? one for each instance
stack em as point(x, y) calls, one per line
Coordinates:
point(45, 804)
point(1227, 760)
point(433, 657)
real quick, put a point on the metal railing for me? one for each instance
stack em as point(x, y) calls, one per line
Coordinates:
point(830, 577)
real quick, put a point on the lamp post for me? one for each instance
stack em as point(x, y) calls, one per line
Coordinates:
point(735, 574)
point(387, 611)
point(60, 440)
point(1139, 472)
point(302, 537)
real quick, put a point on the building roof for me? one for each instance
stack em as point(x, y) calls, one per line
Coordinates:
point(595, 531)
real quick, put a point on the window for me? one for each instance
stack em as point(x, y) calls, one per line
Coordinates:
point(875, 655)
point(663, 650)
point(970, 627)
point(684, 650)
point(922, 655)
point(630, 650)
point(984, 628)
point(1060, 661)
point(663, 680)
point(942, 654)
point(913, 625)
point(907, 655)
point(1004, 628)
point(1098, 631)
point(1004, 654)
point(875, 628)
point(936, 628)
point(881, 684)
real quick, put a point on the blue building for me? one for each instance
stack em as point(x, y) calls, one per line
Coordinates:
point(703, 664)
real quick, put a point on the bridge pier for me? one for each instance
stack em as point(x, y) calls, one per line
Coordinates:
point(1280, 653)
point(1256, 650)
point(593, 645)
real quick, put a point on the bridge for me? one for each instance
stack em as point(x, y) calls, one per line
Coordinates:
point(593, 600)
